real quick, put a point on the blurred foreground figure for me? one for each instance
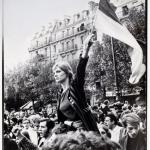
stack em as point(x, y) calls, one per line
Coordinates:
point(81, 141)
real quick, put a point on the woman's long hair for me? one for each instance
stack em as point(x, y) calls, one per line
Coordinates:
point(64, 66)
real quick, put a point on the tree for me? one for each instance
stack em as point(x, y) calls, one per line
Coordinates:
point(101, 63)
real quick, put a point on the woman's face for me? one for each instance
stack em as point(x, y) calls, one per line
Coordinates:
point(59, 75)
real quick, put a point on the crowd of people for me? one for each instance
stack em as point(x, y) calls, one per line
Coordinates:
point(76, 125)
point(120, 125)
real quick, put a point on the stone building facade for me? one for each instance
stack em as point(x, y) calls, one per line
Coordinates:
point(63, 39)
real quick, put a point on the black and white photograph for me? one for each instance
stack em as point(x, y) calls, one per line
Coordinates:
point(74, 75)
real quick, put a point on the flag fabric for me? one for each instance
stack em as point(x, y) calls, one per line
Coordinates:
point(107, 22)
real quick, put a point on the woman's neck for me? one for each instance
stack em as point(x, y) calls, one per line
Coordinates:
point(65, 85)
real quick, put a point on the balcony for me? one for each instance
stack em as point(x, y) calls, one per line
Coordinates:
point(68, 36)
point(43, 44)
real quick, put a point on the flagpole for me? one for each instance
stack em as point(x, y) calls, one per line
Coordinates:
point(114, 64)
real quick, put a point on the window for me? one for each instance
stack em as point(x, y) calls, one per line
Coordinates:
point(54, 48)
point(60, 23)
point(67, 45)
point(55, 37)
point(78, 16)
point(63, 33)
point(67, 31)
point(72, 30)
point(78, 29)
point(72, 43)
point(82, 27)
point(37, 43)
point(67, 20)
point(62, 46)
point(36, 52)
point(82, 39)
point(46, 40)
point(125, 10)
point(87, 12)
point(45, 51)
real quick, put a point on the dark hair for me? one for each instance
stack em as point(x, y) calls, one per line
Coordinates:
point(106, 102)
point(15, 120)
point(131, 118)
point(5, 127)
point(20, 121)
point(49, 124)
point(112, 117)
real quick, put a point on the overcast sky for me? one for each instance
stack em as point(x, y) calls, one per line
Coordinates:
point(23, 18)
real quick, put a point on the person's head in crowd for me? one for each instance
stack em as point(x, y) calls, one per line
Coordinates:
point(106, 102)
point(111, 107)
point(134, 108)
point(22, 114)
point(95, 108)
point(44, 112)
point(64, 69)
point(35, 124)
point(142, 116)
point(17, 115)
point(129, 107)
point(12, 114)
point(140, 101)
point(45, 127)
point(127, 111)
point(110, 121)
point(100, 116)
point(124, 108)
point(131, 122)
point(104, 131)
point(80, 141)
point(26, 113)
point(13, 121)
point(20, 122)
point(126, 102)
point(31, 111)
point(26, 123)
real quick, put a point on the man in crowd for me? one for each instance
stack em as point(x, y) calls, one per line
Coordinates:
point(132, 138)
point(45, 131)
point(115, 130)
point(27, 128)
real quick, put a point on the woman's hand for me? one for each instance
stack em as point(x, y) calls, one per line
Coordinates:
point(87, 44)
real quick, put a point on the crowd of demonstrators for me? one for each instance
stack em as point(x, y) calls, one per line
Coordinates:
point(76, 125)
point(121, 125)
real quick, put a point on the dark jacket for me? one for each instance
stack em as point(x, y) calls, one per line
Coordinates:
point(77, 98)
point(141, 141)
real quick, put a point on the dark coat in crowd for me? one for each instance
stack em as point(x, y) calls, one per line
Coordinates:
point(10, 144)
point(139, 144)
